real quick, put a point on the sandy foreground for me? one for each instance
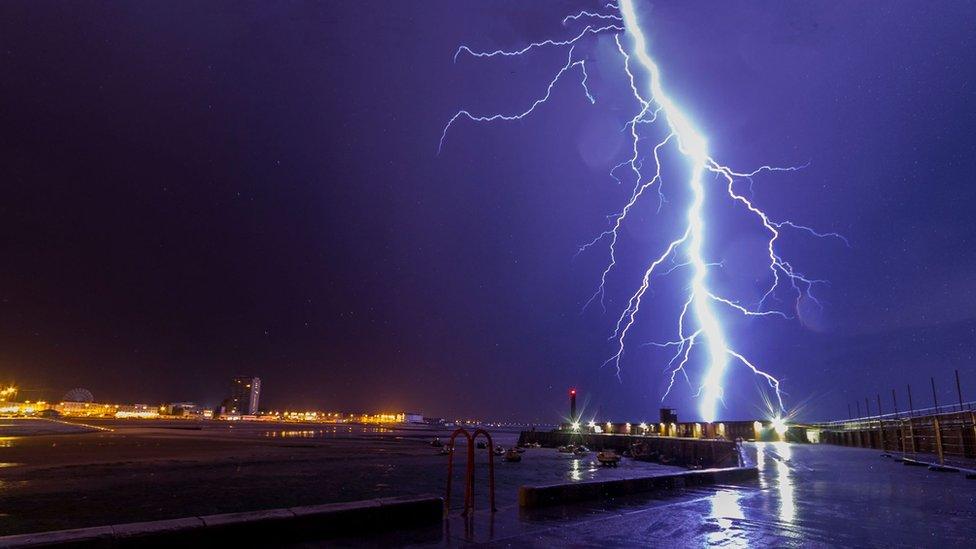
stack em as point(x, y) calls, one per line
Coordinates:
point(58, 475)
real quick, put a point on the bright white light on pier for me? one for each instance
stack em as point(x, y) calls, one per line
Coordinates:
point(779, 425)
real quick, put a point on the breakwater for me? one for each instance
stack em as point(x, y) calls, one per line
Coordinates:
point(687, 452)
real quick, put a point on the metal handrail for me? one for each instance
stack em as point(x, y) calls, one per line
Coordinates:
point(469, 469)
point(906, 414)
point(491, 468)
point(469, 473)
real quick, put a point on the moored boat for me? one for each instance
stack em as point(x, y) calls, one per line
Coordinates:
point(608, 458)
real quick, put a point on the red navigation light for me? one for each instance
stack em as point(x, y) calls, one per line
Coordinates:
point(572, 391)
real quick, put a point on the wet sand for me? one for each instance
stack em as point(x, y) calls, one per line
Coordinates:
point(16, 427)
point(149, 470)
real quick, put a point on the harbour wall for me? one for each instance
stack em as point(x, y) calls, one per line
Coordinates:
point(949, 436)
point(687, 452)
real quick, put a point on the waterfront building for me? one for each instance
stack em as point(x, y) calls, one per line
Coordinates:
point(140, 411)
point(180, 409)
point(244, 396)
point(99, 409)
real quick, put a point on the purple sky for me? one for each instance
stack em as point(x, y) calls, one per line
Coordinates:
point(194, 191)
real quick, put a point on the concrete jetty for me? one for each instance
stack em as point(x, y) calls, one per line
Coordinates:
point(562, 493)
point(689, 452)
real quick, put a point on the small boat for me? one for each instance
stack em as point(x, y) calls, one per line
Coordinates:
point(436, 443)
point(608, 458)
point(641, 452)
point(513, 456)
point(581, 450)
point(499, 450)
point(568, 449)
point(520, 449)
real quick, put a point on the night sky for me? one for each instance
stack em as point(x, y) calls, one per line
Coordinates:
point(197, 190)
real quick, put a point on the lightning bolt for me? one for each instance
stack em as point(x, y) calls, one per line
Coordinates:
point(699, 327)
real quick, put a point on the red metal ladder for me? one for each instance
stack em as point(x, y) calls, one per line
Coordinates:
point(469, 472)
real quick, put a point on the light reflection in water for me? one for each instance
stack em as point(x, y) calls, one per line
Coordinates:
point(784, 477)
point(575, 473)
point(334, 432)
point(725, 511)
point(292, 434)
point(784, 450)
point(761, 464)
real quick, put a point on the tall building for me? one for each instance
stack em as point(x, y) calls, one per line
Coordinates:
point(244, 395)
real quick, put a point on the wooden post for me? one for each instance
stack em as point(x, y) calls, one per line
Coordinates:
point(938, 440)
point(962, 439)
point(959, 390)
point(911, 433)
point(884, 444)
point(867, 415)
point(972, 418)
point(901, 430)
point(901, 436)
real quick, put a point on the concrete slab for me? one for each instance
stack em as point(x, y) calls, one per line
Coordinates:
point(561, 493)
point(136, 529)
point(273, 526)
point(59, 537)
point(213, 521)
point(330, 508)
